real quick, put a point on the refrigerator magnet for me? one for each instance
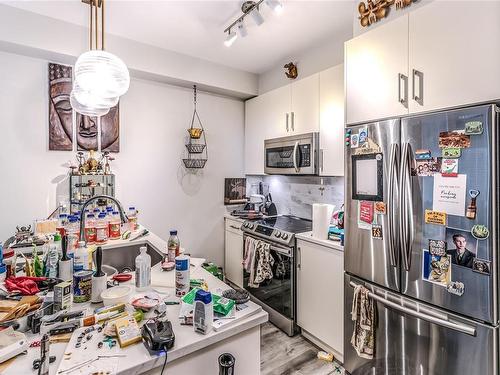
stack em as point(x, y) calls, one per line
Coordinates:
point(481, 232)
point(377, 232)
point(366, 212)
point(449, 167)
point(354, 140)
point(363, 136)
point(457, 139)
point(437, 247)
point(481, 266)
point(380, 208)
point(427, 167)
point(436, 269)
point(456, 287)
point(451, 152)
point(472, 206)
point(423, 154)
point(474, 127)
point(435, 217)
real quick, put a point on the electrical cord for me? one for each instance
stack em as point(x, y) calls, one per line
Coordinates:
point(164, 363)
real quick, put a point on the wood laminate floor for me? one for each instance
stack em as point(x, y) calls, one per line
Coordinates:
point(283, 355)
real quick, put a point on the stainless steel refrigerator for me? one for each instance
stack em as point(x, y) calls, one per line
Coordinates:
point(437, 309)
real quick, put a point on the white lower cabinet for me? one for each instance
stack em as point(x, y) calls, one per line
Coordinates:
point(233, 252)
point(320, 293)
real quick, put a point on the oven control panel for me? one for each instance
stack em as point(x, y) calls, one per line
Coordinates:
point(270, 233)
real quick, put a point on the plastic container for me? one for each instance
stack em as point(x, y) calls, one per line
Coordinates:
point(115, 226)
point(132, 218)
point(203, 316)
point(181, 275)
point(90, 230)
point(102, 229)
point(142, 270)
point(116, 295)
point(80, 259)
point(173, 246)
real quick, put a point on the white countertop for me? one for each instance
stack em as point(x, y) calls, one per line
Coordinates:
point(138, 358)
point(307, 236)
point(235, 218)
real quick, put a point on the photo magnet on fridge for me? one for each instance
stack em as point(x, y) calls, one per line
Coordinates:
point(377, 232)
point(363, 136)
point(449, 168)
point(437, 247)
point(481, 266)
point(474, 127)
point(456, 139)
point(354, 140)
point(461, 247)
point(456, 287)
point(427, 167)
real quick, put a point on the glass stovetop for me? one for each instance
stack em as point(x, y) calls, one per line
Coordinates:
point(287, 223)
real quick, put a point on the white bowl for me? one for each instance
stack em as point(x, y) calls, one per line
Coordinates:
point(116, 294)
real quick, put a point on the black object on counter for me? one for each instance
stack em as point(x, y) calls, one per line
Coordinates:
point(158, 335)
point(98, 263)
point(64, 245)
point(226, 364)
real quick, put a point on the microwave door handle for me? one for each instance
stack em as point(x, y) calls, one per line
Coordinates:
point(295, 148)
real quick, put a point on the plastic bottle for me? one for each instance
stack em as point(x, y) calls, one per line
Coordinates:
point(115, 226)
point(80, 261)
point(90, 231)
point(61, 223)
point(58, 244)
point(102, 229)
point(173, 246)
point(52, 261)
point(142, 270)
point(132, 218)
point(73, 232)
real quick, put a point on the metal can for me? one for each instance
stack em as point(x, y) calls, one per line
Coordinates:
point(181, 275)
point(82, 286)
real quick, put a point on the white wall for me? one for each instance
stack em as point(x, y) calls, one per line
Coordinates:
point(322, 56)
point(154, 118)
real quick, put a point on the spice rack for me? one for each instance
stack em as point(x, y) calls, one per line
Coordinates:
point(197, 150)
point(82, 187)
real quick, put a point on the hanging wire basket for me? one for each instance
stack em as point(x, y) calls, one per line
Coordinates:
point(197, 145)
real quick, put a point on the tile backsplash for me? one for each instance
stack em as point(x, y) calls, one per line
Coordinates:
point(294, 195)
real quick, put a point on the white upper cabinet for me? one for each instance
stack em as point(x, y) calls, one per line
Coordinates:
point(254, 135)
point(277, 112)
point(304, 114)
point(454, 54)
point(377, 72)
point(331, 84)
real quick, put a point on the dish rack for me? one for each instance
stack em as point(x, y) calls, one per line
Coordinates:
point(197, 144)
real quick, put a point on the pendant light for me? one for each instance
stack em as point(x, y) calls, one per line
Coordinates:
point(100, 77)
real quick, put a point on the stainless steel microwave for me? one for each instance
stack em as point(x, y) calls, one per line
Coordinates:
point(295, 154)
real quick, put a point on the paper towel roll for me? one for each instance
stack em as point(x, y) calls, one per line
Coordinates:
point(322, 214)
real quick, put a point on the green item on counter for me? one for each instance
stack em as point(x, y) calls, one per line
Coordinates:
point(196, 283)
point(37, 263)
point(214, 270)
point(222, 305)
point(138, 315)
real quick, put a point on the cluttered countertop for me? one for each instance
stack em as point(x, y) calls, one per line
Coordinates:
point(138, 358)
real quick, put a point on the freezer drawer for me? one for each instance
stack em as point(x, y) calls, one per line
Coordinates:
point(413, 338)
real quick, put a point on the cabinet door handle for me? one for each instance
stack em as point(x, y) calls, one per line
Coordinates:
point(293, 121)
point(403, 84)
point(298, 258)
point(321, 160)
point(287, 115)
point(235, 227)
point(420, 97)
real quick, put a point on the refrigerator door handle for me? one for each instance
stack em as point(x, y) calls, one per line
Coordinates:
point(417, 314)
point(403, 214)
point(391, 209)
point(409, 204)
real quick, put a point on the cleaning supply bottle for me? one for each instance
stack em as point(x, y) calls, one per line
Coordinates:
point(174, 246)
point(80, 261)
point(142, 270)
point(203, 315)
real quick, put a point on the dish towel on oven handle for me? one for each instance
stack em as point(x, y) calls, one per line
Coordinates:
point(363, 316)
point(258, 261)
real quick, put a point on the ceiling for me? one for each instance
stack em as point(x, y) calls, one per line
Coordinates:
point(195, 28)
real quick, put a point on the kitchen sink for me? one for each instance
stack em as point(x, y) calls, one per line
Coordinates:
point(123, 257)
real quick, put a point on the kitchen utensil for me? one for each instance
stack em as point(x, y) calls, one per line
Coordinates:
point(143, 233)
point(99, 278)
point(117, 294)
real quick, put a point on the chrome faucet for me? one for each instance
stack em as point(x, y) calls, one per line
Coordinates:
point(123, 215)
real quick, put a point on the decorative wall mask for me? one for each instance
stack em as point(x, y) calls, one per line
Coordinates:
point(374, 10)
point(60, 111)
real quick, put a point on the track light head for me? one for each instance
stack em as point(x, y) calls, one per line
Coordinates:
point(275, 5)
point(257, 17)
point(231, 37)
point(242, 30)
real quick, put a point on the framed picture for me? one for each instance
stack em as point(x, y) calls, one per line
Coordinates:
point(60, 110)
point(461, 247)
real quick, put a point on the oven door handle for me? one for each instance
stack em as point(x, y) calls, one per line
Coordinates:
point(286, 251)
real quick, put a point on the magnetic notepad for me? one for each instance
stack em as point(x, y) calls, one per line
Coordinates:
point(367, 177)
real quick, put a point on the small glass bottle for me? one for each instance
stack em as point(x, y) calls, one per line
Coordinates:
point(173, 245)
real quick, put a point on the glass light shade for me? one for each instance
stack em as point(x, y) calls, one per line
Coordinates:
point(102, 74)
point(231, 37)
point(89, 99)
point(85, 109)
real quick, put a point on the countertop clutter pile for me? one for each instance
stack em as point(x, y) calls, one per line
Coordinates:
point(97, 316)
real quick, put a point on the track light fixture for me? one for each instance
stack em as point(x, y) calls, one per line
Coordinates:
point(249, 8)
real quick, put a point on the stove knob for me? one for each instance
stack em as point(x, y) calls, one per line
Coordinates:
point(245, 225)
point(250, 225)
point(277, 233)
point(284, 236)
